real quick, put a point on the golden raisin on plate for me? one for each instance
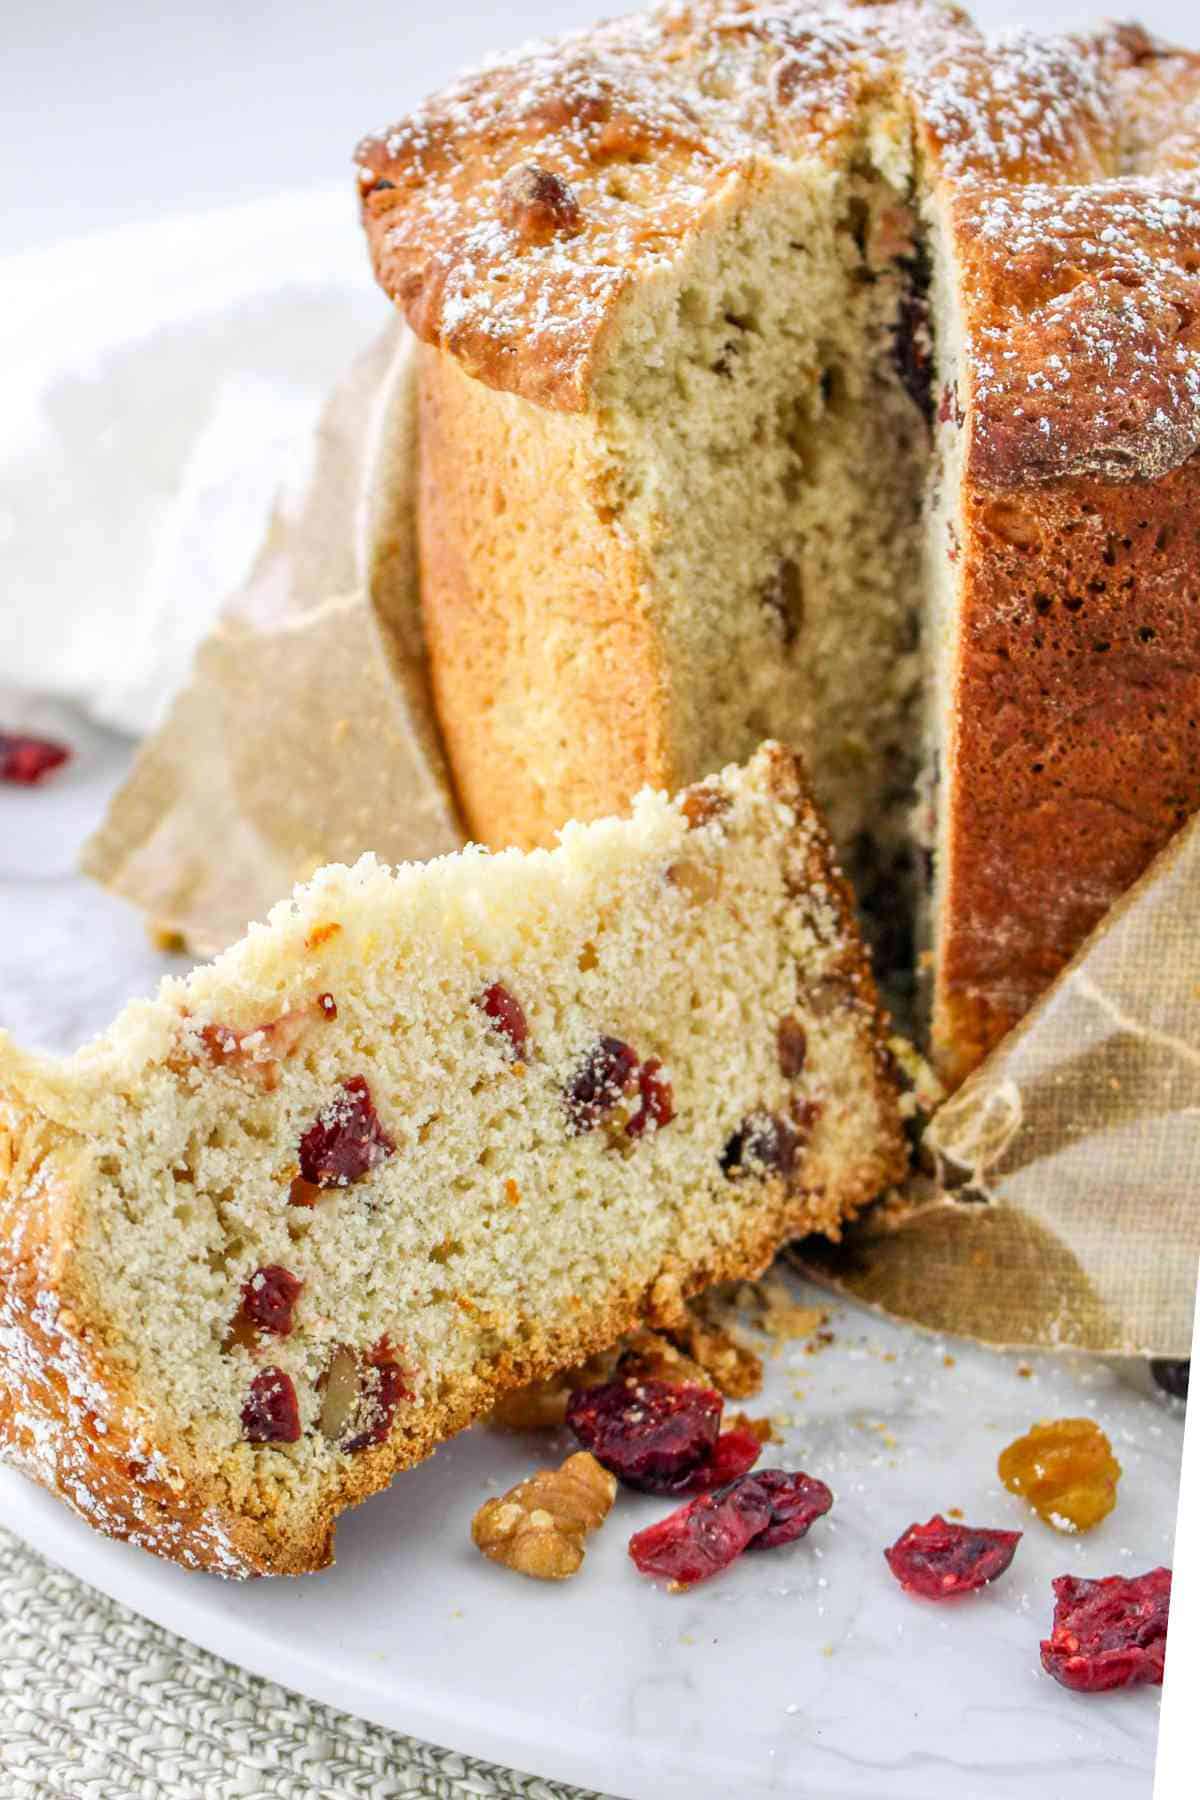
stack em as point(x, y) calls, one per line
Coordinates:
point(1066, 1470)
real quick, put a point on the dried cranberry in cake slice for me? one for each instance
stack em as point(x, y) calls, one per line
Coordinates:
point(605, 1075)
point(359, 1396)
point(552, 1099)
point(656, 1100)
point(346, 1141)
point(507, 1015)
point(269, 1299)
point(763, 1144)
point(271, 1414)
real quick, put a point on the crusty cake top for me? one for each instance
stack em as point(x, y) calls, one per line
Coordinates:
point(509, 214)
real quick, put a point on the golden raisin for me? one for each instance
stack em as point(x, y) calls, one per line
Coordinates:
point(1066, 1470)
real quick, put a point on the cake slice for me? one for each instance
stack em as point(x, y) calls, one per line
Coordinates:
point(426, 1135)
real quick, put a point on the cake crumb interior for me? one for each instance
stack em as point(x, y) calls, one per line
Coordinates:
point(769, 416)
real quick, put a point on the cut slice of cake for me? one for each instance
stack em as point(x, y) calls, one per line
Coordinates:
point(426, 1135)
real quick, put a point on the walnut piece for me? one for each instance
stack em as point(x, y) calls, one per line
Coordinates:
point(539, 1527)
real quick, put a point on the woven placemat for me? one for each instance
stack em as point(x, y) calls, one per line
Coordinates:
point(98, 1704)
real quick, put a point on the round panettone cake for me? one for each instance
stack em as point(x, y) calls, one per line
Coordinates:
point(829, 372)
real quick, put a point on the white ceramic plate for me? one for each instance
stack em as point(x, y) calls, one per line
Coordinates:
point(802, 1671)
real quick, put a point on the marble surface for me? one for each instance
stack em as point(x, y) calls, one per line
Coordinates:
point(800, 1672)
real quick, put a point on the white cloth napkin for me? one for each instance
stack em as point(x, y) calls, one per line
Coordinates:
point(161, 385)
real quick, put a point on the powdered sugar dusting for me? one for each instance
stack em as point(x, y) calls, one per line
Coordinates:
point(1091, 343)
point(1067, 164)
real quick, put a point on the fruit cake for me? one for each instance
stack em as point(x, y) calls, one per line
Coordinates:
point(826, 371)
point(426, 1135)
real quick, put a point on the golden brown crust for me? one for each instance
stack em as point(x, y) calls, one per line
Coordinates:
point(1064, 169)
point(66, 1418)
point(1067, 162)
point(1077, 252)
point(644, 121)
point(71, 1420)
point(518, 571)
point(1079, 719)
point(66, 1423)
point(1078, 269)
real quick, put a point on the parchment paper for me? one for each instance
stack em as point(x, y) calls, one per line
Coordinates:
point(305, 734)
point(1064, 1205)
point(1060, 1202)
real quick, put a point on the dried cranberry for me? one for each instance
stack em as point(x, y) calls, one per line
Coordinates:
point(657, 1100)
point(646, 1431)
point(797, 1501)
point(25, 760)
point(346, 1141)
point(506, 1014)
point(1110, 1633)
point(705, 1536)
point(912, 336)
point(764, 1143)
point(734, 1453)
point(269, 1297)
point(605, 1074)
point(756, 1511)
point(328, 1005)
point(939, 1559)
point(1172, 1377)
point(271, 1414)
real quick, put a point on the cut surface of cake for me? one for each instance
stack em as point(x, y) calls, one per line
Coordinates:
point(424, 1136)
point(826, 371)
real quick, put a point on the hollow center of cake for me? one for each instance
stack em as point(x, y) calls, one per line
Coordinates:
point(768, 412)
